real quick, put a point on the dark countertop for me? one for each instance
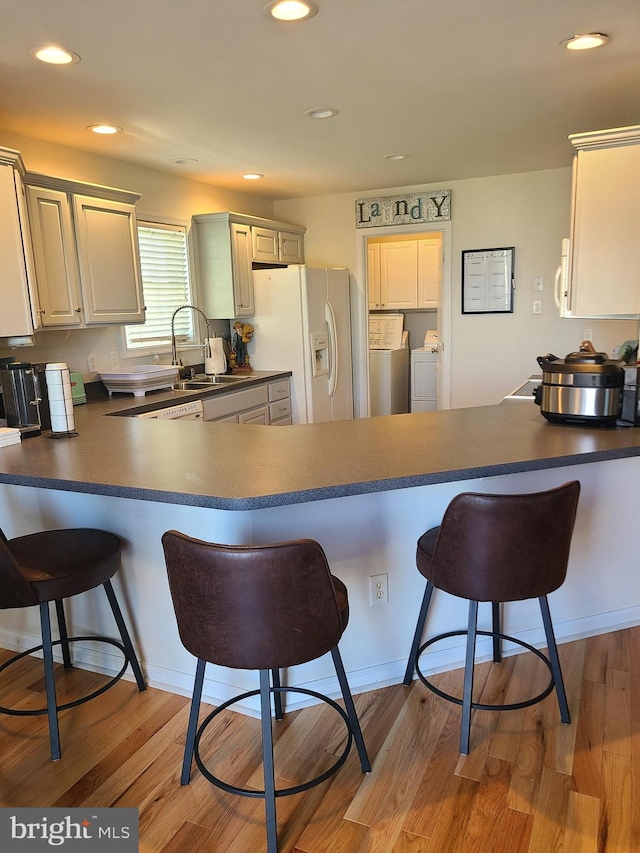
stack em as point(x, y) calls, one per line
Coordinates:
point(125, 404)
point(245, 467)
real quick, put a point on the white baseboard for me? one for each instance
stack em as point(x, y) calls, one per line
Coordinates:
point(106, 660)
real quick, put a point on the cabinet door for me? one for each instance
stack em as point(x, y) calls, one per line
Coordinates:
point(290, 247)
point(109, 263)
point(373, 275)
point(399, 275)
point(279, 410)
point(242, 254)
point(255, 416)
point(605, 269)
point(15, 307)
point(265, 245)
point(54, 252)
point(429, 273)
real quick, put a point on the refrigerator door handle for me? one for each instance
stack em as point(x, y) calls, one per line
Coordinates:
point(333, 348)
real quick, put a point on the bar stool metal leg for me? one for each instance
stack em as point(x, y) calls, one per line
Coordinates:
point(422, 618)
point(554, 660)
point(365, 764)
point(124, 634)
point(267, 763)
point(193, 722)
point(465, 725)
point(50, 681)
point(277, 696)
point(496, 628)
point(64, 635)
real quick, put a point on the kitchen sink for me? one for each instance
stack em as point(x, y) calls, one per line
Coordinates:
point(208, 382)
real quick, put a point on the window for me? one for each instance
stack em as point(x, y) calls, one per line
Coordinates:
point(165, 280)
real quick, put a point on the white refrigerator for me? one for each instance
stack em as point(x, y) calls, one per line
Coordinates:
point(302, 323)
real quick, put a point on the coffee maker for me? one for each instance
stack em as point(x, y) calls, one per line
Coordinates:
point(24, 397)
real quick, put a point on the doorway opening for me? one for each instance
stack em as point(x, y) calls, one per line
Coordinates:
point(424, 307)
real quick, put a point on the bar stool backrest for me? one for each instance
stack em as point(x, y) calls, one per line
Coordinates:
point(505, 547)
point(15, 591)
point(252, 607)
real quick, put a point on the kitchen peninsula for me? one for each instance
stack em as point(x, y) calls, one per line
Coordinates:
point(365, 489)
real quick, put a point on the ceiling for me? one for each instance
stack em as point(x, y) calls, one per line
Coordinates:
point(463, 88)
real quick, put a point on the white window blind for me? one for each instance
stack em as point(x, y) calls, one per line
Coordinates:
point(165, 281)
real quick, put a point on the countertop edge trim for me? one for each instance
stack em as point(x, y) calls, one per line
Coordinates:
point(243, 504)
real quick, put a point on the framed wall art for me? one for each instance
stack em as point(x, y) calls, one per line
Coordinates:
point(488, 280)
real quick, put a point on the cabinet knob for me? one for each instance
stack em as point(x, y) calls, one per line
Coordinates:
point(41, 311)
point(78, 310)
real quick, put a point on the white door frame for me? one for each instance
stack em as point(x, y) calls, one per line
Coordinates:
point(444, 309)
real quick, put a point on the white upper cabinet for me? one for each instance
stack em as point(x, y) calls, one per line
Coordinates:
point(54, 255)
point(429, 272)
point(291, 247)
point(227, 246)
point(404, 274)
point(604, 262)
point(86, 254)
point(19, 313)
point(241, 251)
point(276, 246)
point(373, 275)
point(109, 260)
point(399, 275)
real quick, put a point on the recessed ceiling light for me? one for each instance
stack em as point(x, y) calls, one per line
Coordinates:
point(185, 161)
point(253, 176)
point(394, 156)
point(291, 10)
point(54, 55)
point(104, 129)
point(320, 112)
point(585, 41)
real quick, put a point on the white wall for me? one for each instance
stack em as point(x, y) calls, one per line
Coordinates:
point(490, 354)
point(162, 194)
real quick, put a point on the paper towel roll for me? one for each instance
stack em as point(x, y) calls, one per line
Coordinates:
point(58, 380)
point(216, 362)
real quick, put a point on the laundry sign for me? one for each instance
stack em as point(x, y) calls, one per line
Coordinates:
point(403, 209)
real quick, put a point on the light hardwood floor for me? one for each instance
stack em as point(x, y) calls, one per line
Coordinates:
point(530, 784)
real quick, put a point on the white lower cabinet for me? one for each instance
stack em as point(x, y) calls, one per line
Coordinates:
point(255, 416)
point(263, 404)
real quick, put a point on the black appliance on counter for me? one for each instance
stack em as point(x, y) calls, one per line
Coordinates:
point(24, 397)
point(585, 388)
point(630, 413)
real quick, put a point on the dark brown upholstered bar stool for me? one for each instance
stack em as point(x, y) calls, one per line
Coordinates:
point(51, 566)
point(497, 548)
point(261, 607)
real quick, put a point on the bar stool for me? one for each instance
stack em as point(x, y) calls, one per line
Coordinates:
point(261, 607)
point(497, 548)
point(51, 566)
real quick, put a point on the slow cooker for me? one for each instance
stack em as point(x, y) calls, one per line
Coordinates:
point(583, 388)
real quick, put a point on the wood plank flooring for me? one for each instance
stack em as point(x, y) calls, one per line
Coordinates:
point(530, 784)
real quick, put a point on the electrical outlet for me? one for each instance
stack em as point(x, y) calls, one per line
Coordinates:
point(537, 307)
point(538, 283)
point(588, 335)
point(378, 589)
point(114, 358)
point(92, 362)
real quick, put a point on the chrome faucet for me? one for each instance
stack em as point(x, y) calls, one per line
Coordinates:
point(174, 351)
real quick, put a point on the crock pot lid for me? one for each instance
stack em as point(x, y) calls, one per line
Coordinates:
point(586, 358)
